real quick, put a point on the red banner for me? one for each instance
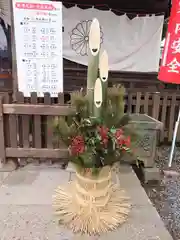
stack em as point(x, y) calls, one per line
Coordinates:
point(170, 63)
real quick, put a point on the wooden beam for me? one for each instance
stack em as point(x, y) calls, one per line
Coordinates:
point(32, 109)
point(2, 145)
point(36, 153)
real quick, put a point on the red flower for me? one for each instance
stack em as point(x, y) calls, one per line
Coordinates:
point(119, 133)
point(127, 141)
point(77, 145)
point(121, 139)
point(119, 136)
point(103, 131)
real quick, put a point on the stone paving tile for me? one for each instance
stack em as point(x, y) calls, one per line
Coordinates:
point(26, 212)
point(31, 187)
point(36, 222)
point(3, 176)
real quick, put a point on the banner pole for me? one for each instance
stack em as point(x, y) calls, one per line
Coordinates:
point(174, 140)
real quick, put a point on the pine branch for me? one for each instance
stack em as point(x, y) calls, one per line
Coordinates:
point(61, 129)
point(123, 121)
point(114, 111)
point(80, 102)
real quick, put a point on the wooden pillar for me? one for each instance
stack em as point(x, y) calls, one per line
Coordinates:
point(14, 62)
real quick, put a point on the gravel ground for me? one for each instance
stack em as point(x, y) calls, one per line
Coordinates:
point(166, 195)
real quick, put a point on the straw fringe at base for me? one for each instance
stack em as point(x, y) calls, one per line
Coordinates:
point(90, 219)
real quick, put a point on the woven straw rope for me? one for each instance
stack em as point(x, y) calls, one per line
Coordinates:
point(91, 194)
point(91, 205)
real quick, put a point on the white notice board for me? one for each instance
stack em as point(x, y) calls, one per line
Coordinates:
point(38, 39)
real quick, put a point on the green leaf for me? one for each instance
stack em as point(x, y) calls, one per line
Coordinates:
point(113, 130)
point(95, 171)
point(87, 159)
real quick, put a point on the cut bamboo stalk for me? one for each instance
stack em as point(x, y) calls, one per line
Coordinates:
point(93, 61)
